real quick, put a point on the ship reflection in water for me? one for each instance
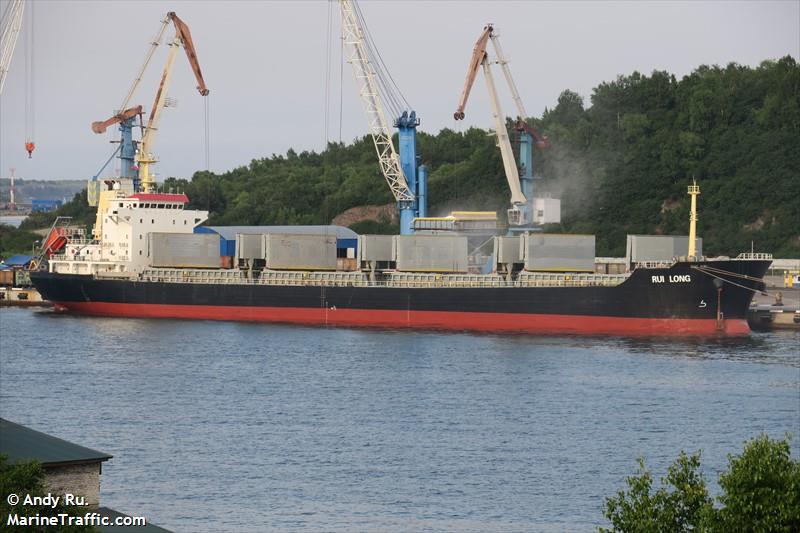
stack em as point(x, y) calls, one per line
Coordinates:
point(227, 426)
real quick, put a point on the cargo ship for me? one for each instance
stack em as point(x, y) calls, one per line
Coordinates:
point(148, 258)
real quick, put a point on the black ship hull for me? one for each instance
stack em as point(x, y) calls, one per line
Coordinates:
point(699, 298)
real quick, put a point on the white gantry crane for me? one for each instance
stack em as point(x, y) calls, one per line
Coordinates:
point(354, 39)
point(521, 213)
point(10, 27)
point(480, 58)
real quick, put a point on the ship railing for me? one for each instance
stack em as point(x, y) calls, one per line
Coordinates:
point(751, 256)
point(360, 279)
point(654, 264)
point(80, 241)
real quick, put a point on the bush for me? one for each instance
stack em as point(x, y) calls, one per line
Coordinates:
point(760, 493)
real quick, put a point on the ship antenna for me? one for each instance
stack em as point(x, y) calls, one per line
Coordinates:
point(694, 192)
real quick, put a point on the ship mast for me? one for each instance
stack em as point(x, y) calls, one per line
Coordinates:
point(694, 192)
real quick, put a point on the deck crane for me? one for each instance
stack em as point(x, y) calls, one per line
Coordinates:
point(407, 180)
point(136, 160)
point(521, 212)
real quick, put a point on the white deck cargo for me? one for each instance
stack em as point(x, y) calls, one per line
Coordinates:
point(431, 253)
point(283, 251)
point(556, 252)
point(506, 250)
point(375, 248)
point(643, 248)
point(184, 250)
point(249, 246)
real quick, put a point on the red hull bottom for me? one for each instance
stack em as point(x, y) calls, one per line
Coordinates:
point(441, 320)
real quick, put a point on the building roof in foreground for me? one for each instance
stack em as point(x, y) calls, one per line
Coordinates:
point(22, 443)
point(18, 260)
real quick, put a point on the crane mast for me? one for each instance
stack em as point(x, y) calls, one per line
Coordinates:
point(364, 73)
point(145, 157)
point(521, 186)
point(148, 57)
point(480, 58)
point(12, 25)
point(503, 141)
point(503, 62)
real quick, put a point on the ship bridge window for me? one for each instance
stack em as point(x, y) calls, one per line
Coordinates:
point(160, 206)
point(169, 206)
point(120, 204)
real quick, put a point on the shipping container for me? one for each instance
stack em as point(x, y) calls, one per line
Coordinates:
point(249, 246)
point(184, 250)
point(285, 251)
point(6, 278)
point(431, 253)
point(555, 252)
point(643, 248)
point(375, 248)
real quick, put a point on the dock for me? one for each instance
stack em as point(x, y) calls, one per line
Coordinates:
point(22, 297)
point(778, 309)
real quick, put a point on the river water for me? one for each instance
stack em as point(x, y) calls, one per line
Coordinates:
point(245, 427)
point(12, 220)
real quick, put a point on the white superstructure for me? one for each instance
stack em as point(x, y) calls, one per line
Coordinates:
point(126, 222)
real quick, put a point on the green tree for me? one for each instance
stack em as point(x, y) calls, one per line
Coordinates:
point(16, 241)
point(761, 489)
point(681, 503)
point(760, 493)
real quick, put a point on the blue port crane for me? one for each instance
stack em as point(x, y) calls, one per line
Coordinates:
point(136, 157)
point(407, 179)
point(520, 178)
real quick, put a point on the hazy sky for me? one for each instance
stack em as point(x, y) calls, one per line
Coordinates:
point(265, 64)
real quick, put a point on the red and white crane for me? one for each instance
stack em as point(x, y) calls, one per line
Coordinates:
point(520, 213)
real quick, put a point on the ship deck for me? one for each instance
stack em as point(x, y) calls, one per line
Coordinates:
point(364, 279)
